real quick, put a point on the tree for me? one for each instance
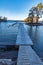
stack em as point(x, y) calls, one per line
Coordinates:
point(0, 17)
point(31, 14)
point(36, 11)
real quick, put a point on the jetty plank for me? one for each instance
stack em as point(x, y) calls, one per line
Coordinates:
point(22, 36)
point(27, 56)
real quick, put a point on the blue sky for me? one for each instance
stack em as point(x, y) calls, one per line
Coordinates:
point(17, 9)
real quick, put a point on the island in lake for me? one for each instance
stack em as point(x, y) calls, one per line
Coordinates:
point(35, 13)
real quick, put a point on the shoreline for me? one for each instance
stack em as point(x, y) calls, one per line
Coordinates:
point(35, 24)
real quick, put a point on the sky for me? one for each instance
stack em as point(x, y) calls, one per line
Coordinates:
point(17, 9)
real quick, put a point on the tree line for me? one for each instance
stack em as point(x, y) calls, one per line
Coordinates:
point(3, 18)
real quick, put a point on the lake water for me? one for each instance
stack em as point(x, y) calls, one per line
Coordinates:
point(36, 34)
point(8, 35)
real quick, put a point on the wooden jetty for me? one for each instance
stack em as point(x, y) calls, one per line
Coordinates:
point(26, 55)
point(22, 37)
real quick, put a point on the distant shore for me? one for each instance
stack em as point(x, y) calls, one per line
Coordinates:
point(3, 19)
point(35, 24)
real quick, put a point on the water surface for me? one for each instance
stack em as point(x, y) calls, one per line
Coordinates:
point(8, 34)
point(36, 34)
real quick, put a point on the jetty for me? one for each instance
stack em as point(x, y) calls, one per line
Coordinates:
point(26, 55)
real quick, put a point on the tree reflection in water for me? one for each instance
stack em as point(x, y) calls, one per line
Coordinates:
point(33, 32)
